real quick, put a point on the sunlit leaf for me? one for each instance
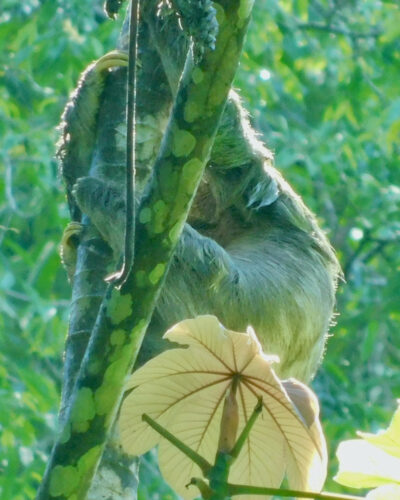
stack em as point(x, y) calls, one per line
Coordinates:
point(184, 389)
point(387, 440)
point(373, 460)
point(390, 491)
point(362, 465)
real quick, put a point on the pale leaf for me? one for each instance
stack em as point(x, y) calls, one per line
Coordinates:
point(183, 389)
point(307, 404)
point(387, 440)
point(390, 491)
point(362, 465)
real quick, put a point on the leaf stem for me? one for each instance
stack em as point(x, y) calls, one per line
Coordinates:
point(238, 489)
point(194, 457)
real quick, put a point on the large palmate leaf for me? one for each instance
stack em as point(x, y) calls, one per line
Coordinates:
point(183, 389)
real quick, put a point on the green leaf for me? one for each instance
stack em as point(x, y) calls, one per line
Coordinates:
point(373, 460)
point(362, 465)
point(387, 440)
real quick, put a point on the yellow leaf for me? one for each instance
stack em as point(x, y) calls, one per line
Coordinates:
point(387, 440)
point(372, 461)
point(184, 390)
point(391, 491)
point(362, 465)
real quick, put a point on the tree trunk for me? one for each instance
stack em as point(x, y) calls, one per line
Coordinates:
point(117, 475)
point(90, 404)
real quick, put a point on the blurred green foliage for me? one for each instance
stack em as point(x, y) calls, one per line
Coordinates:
point(322, 81)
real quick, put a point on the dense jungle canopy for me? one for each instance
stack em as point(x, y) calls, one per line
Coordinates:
point(321, 81)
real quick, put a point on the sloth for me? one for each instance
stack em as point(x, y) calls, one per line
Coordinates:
point(251, 252)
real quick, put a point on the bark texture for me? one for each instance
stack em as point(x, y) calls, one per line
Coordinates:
point(125, 314)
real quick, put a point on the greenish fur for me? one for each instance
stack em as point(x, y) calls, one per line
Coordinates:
point(251, 252)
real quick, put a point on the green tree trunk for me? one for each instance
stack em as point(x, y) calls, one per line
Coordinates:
point(125, 314)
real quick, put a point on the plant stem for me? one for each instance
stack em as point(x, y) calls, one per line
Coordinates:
point(194, 457)
point(238, 489)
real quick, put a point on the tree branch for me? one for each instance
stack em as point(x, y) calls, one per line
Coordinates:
point(125, 314)
point(337, 30)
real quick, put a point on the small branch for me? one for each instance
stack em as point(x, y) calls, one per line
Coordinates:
point(9, 191)
point(191, 454)
point(365, 240)
point(337, 30)
point(205, 490)
point(377, 249)
point(238, 489)
point(374, 88)
point(320, 192)
point(380, 245)
point(120, 277)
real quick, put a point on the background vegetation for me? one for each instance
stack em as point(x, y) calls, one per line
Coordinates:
point(321, 79)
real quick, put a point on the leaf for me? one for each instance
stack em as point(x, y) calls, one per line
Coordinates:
point(373, 460)
point(391, 491)
point(307, 404)
point(387, 440)
point(362, 465)
point(184, 389)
